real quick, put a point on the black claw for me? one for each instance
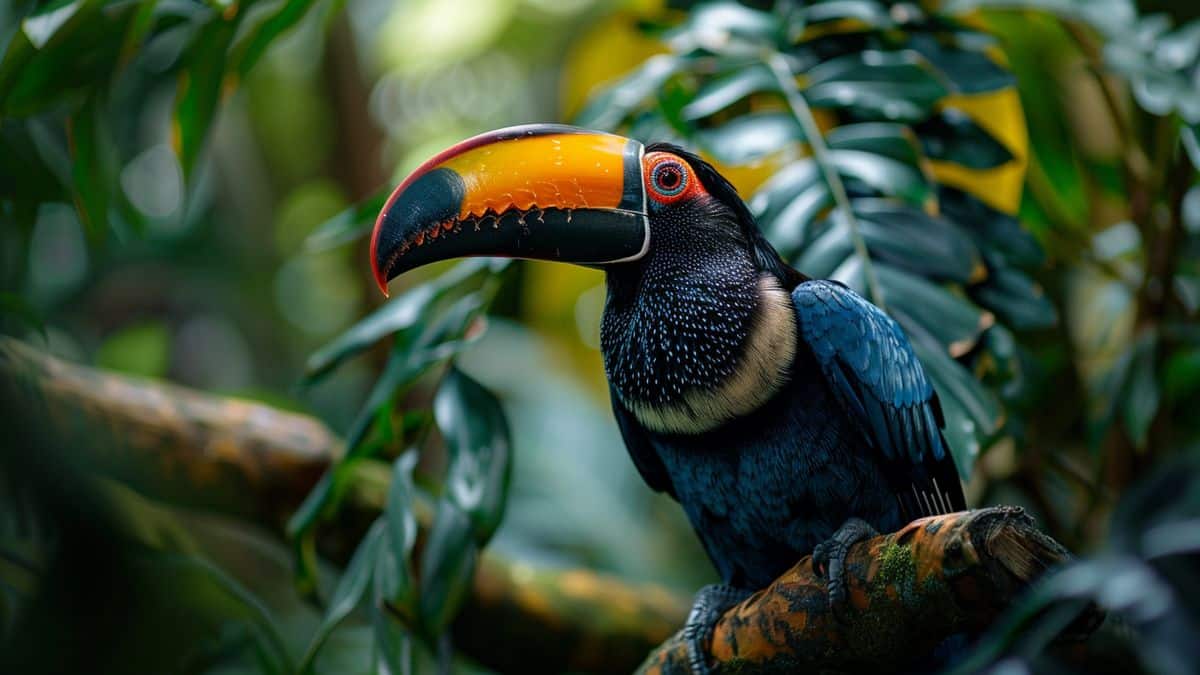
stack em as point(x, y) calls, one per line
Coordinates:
point(710, 605)
point(829, 560)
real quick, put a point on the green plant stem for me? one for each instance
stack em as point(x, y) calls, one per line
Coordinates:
point(820, 151)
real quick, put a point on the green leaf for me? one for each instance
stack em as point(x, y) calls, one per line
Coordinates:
point(717, 94)
point(407, 311)
point(200, 87)
point(870, 13)
point(350, 590)
point(93, 166)
point(249, 606)
point(993, 231)
point(476, 433)
point(447, 567)
point(792, 228)
point(777, 193)
point(885, 175)
point(401, 535)
point(12, 15)
point(969, 70)
point(1016, 299)
point(909, 238)
point(750, 137)
point(726, 27)
point(894, 86)
point(895, 141)
point(927, 309)
point(609, 109)
point(348, 225)
point(393, 642)
point(255, 41)
point(954, 137)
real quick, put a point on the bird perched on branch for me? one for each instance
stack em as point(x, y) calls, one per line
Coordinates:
point(787, 415)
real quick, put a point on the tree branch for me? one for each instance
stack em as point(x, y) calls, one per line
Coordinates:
point(908, 590)
point(255, 463)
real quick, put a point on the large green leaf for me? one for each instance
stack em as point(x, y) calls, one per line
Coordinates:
point(93, 166)
point(927, 309)
point(895, 141)
point(475, 430)
point(255, 40)
point(969, 69)
point(727, 27)
point(909, 238)
point(896, 86)
point(869, 13)
point(447, 566)
point(400, 591)
point(722, 92)
point(882, 174)
point(201, 85)
point(750, 137)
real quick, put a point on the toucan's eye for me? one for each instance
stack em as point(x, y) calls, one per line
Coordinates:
point(669, 178)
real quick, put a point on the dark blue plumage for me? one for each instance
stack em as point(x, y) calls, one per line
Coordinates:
point(851, 430)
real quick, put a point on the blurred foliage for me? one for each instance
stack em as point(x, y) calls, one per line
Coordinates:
point(1013, 180)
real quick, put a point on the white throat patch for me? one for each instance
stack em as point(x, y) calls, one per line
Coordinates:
point(760, 372)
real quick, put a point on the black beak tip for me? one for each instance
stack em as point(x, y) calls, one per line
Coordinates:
point(433, 197)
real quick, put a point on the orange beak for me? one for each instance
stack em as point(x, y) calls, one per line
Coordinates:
point(539, 191)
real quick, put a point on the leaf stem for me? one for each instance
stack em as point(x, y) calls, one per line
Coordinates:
point(820, 152)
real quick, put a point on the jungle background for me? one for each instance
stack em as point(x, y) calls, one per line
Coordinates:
point(185, 187)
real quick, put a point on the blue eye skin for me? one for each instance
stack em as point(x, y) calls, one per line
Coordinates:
point(670, 178)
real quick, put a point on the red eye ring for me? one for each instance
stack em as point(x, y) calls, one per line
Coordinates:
point(668, 178)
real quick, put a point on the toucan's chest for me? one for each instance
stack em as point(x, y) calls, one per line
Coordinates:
point(689, 357)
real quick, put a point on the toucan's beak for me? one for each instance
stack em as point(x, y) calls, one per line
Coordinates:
point(540, 191)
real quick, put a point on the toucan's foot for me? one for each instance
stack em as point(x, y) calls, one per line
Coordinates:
point(709, 606)
point(829, 559)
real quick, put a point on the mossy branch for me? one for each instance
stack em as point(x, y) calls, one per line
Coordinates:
point(909, 591)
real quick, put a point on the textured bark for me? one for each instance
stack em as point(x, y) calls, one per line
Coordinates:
point(908, 590)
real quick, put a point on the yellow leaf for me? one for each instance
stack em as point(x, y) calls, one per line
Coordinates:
point(998, 113)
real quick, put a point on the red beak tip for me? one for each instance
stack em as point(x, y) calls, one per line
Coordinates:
point(382, 283)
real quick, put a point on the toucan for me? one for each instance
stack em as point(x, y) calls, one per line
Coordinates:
point(786, 415)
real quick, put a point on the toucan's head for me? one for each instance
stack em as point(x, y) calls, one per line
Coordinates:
point(698, 326)
point(554, 192)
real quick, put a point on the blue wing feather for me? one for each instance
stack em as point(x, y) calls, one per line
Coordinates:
point(880, 384)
